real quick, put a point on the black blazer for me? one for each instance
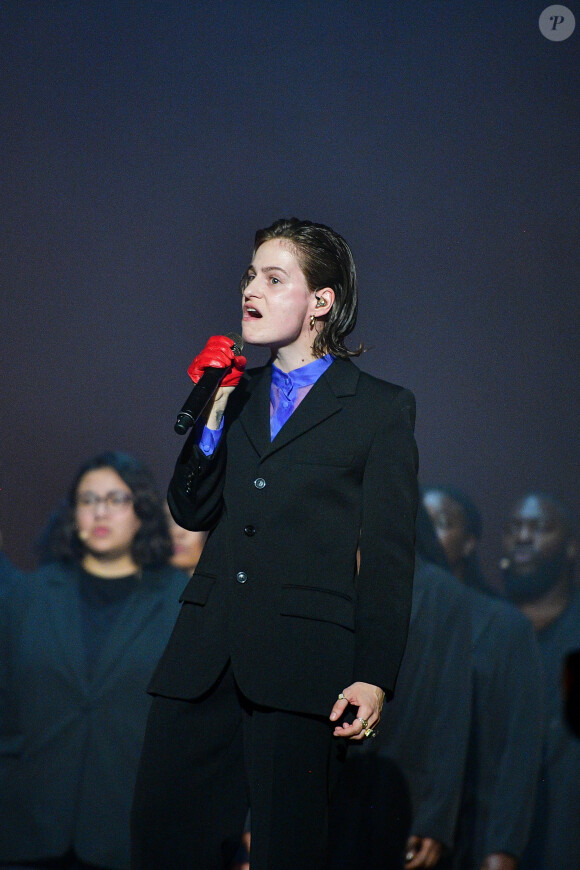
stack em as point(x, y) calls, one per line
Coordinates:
point(276, 589)
point(69, 748)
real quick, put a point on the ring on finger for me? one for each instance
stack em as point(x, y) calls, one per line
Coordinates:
point(363, 722)
point(341, 697)
point(370, 732)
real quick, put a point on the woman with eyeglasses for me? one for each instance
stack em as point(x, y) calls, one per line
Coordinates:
point(79, 640)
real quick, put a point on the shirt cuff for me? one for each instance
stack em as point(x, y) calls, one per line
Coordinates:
point(208, 439)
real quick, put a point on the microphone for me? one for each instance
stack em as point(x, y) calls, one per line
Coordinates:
point(203, 391)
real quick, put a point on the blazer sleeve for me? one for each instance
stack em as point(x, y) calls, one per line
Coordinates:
point(387, 547)
point(195, 494)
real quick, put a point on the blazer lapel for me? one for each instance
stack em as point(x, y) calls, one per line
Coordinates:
point(340, 379)
point(321, 402)
point(255, 413)
point(65, 614)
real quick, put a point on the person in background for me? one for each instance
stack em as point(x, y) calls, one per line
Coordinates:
point(539, 558)
point(458, 524)
point(507, 723)
point(242, 858)
point(399, 794)
point(79, 640)
point(187, 545)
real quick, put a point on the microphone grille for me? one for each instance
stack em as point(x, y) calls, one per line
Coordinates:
point(238, 342)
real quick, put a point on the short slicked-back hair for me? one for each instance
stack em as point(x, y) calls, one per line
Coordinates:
point(326, 261)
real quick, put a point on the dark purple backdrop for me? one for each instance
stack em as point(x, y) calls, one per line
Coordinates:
point(143, 143)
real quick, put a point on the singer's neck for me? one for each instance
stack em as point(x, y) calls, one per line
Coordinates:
point(289, 358)
point(545, 610)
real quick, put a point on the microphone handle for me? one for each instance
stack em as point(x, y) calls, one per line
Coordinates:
point(198, 398)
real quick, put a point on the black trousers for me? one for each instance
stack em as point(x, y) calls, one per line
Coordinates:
point(205, 762)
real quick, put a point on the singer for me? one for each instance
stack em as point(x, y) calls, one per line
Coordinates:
point(284, 649)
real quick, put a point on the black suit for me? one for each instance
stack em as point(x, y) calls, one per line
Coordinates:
point(69, 746)
point(276, 591)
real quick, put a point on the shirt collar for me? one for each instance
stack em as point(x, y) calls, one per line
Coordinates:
point(305, 376)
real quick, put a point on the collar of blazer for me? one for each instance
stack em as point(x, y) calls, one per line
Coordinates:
point(65, 615)
point(323, 400)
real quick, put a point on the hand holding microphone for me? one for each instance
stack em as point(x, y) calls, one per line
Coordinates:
point(220, 352)
point(220, 364)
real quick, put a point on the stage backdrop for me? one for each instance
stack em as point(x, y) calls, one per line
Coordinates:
point(143, 144)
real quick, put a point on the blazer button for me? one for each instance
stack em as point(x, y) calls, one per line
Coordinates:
point(250, 531)
point(259, 483)
point(241, 576)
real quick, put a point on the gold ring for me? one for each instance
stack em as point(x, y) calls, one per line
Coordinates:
point(341, 697)
point(370, 732)
point(364, 722)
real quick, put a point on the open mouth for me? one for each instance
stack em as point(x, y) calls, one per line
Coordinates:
point(252, 312)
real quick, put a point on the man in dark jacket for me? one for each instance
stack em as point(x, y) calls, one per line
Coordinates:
point(539, 546)
point(399, 794)
point(507, 723)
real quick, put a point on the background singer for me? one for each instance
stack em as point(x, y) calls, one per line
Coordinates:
point(300, 463)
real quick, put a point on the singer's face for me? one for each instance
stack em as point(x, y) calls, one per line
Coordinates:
point(276, 303)
point(106, 521)
point(449, 523)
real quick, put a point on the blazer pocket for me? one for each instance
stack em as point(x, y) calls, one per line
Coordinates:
point(198, 589)
point(323, 605)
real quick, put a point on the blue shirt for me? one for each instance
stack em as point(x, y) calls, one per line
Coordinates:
point(287, 390)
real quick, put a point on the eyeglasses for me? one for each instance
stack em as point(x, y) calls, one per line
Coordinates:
point(114, 501)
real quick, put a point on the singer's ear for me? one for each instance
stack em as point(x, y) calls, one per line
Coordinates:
point(322, 300)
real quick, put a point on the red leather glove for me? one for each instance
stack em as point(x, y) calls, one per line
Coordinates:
point(218, 354)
